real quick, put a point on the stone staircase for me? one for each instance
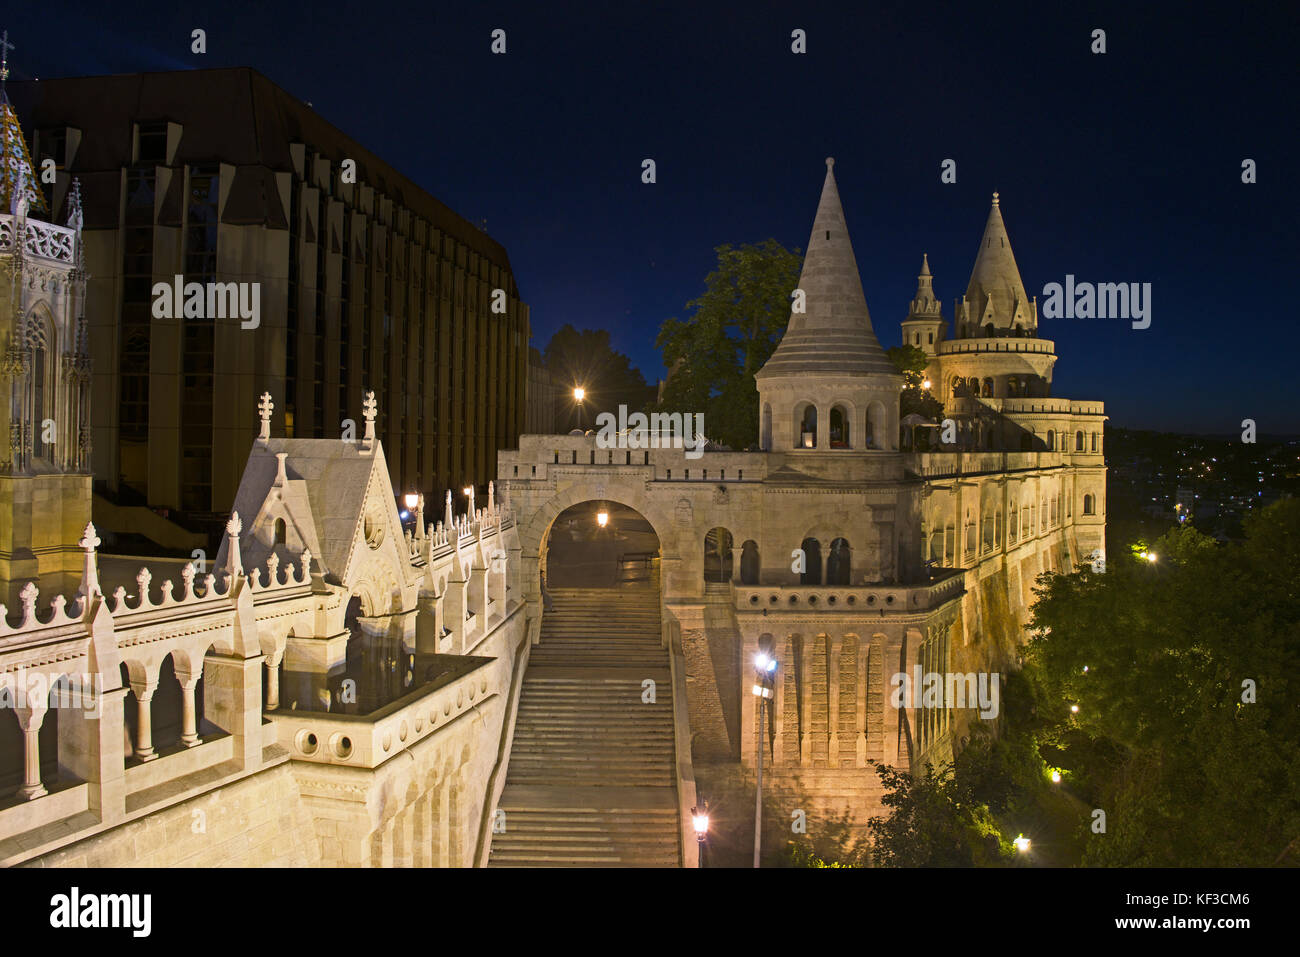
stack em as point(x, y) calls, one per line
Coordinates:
point(592, 780)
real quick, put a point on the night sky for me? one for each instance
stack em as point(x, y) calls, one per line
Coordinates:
point(1122, 167)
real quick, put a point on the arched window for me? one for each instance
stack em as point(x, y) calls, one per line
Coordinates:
point(1094, 441)
point(1088, 505)
point(1018, 330)
point(958, 386)
point(916, 339)
point(1051, 440)
point(930, 336)
point(988, 331)
point(280, 531)
point(1027, 441)
point(812, 556)
point(766, 435)
point(717, 555)
point(988, 388)
point(839, 563)
point(749, 563)
point(973, 386)
point(839, 427)
point(808, 428)
point(1078, 441)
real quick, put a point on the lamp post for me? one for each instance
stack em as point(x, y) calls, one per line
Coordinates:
point(700, 818)
point(412, 499)
point(579, 393)
point(764, 675)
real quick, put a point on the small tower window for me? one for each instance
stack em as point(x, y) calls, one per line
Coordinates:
point(280, 531)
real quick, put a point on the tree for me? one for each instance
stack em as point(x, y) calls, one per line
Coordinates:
point(735, 327)
point(911, 362)
point(584, 358)
point(1186, 733)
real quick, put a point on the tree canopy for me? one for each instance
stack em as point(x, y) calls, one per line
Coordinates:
point(735, 326)
point(584, 358)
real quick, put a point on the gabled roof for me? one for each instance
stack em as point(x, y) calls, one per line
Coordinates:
point(834, 335)
point(333, 476)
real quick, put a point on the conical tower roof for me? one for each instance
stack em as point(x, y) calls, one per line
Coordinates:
point(834, 335)
point(996, 276)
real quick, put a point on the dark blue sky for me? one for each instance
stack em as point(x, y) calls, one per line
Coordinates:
point(1117, 167)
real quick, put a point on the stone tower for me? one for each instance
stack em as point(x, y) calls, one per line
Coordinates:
point(829, 384)
point(45, 483)
point(924, 326)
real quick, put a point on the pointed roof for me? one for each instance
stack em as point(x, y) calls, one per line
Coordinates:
point(995, 280)
point(924, 303)
point(15, 162)
point(834, 335)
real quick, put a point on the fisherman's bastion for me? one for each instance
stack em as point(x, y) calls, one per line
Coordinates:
point(338, 687)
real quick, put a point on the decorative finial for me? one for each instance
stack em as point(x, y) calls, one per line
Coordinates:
point(76, 217)
point(264, 408)
point(830, 161)
point(995, 197)
point(235, 525)
point(89, 539)
point(5, 47)
point(368, 408)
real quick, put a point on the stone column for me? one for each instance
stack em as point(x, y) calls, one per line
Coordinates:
point(189, 716)
point(781, 654)
point(30, 719)
point(833, 646)
point(273, 679)
point(144, 690)
point(805, 703)
point(893, 730)
point(860, 737)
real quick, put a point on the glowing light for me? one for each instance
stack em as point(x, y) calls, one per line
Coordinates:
point(602, 519)
point(579, 393)
point(1074, 709)
point(925, 383)
point(1150, 556)
point(412, 500)
point(1056, 777)
point(1022, 844)
point(700, 820)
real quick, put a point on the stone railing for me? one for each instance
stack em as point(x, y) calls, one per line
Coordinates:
point(858, 599)
point(43, 240)
point(368, 740)
point(1010, 344)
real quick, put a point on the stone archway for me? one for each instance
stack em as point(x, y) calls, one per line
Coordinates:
point(671, 528)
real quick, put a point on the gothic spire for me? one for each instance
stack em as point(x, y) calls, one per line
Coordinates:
point(924, 304)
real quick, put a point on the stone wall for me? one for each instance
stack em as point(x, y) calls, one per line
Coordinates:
point(260, 820)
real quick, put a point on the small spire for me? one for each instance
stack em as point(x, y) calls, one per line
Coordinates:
point(925, 264)
point(5, 47)
point(995, 197)
point(830, 161)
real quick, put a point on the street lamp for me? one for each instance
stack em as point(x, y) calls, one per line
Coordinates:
point(602, 519)
point(579, 393)
point(1022, 844)
point(764, 677)
point(700, 819)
